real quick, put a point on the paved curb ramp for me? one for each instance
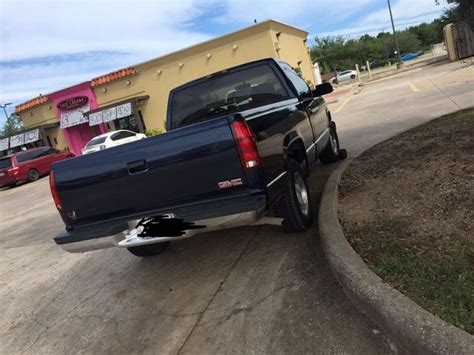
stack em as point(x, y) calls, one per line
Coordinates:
point(410, 326)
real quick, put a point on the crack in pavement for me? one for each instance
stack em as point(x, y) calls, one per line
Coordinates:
point(249, 308)
point(244, 249)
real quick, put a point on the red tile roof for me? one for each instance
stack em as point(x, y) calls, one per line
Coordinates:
point(118, 74)
point(31, 103)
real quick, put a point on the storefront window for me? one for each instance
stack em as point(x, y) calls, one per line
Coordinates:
point(129, 123)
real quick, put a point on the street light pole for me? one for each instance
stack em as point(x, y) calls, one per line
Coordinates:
point(399, 62)
point(4, 106)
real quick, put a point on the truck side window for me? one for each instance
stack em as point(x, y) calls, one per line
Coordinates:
point(300, 85)
point(225, 93)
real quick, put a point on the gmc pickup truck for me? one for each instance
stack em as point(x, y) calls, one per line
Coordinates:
point(239, 146)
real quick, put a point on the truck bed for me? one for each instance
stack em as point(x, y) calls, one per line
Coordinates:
point(175, 172)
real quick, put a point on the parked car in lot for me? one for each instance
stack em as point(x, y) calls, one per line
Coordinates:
point(111, 139)
point(408, 56)
point(226, 160)
point(29, 164)
point(344, 76)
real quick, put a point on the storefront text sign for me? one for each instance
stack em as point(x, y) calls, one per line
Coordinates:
point(124, 110)
point(73, 117)
point(4, 144)
point(31, 136)
point(110, 114)
point(72, 103)
point(95, 118)
point(17, 140)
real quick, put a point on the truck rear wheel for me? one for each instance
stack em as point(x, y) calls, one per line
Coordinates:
point(296, 203)
point(330, 153)
point(144, 251)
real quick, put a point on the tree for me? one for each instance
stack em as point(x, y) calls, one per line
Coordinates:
point(12, 125)
point(463, 10)
point(426, 33)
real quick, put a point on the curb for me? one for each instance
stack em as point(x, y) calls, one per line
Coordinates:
point(410, 326)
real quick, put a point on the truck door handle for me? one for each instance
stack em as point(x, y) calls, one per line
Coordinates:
point(136, 167)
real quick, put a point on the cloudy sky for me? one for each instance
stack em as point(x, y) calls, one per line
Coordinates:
point(46, 45)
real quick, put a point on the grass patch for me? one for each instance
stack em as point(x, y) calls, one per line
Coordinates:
point(439, 280)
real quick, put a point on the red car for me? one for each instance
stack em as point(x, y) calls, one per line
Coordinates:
point(29, 164)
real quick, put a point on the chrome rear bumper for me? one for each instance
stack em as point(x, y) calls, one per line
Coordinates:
point(129, 237)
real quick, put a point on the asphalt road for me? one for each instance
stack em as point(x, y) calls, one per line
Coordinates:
point(247, 290)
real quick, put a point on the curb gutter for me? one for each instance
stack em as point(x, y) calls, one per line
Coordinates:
point(410, 326)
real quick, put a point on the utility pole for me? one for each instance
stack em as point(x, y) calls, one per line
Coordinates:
point(399, 62)
point(4, 106)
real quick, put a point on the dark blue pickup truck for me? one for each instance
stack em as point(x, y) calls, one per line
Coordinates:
point(239, 146)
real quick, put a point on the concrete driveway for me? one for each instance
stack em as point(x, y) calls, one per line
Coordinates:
point(248, 290)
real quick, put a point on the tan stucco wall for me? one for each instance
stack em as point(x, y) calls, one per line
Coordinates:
point(57, 133)
point(158, 76)
point(38, 115)
point(293, 49)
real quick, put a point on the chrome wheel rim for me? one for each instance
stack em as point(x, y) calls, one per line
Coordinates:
point(301, 194)
point(333, 140)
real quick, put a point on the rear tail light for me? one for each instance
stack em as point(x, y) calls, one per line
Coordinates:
point(246, 144)
point(54, 191)
point(13, 171)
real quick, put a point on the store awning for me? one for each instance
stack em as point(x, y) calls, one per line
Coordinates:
point(114, 111)
point(25, 136)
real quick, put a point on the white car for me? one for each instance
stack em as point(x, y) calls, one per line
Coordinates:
point(111, 139)
point(344, 76)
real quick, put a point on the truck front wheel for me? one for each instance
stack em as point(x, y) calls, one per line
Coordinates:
point(149, 249)
point(296, 203)
point(330, 153)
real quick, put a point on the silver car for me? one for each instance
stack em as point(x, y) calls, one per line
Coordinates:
point(344, 76)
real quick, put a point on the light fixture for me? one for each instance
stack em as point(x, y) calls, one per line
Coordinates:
point(159, 72)
point(278, 34)
point(128, 82)
point(181, 65)
point(104, 89)
point(299, 62)
point(208, 55)
point(235, 47)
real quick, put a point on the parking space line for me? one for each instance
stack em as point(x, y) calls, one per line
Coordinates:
point(341, 107)
point(414, 88)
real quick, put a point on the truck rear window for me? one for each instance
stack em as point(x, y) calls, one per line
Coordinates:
point(5, 163)
point(226, 93)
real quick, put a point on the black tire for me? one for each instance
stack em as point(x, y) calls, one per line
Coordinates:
point(330, 153)
point(296, 207)
point(353, 76)
point(33, 175)
point(144, 251)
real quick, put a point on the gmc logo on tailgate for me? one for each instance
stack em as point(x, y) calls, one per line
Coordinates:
point(229, 183)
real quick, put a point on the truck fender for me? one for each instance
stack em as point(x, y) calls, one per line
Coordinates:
point(294, 149)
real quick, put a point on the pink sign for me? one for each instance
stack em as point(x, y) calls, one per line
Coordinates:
point(71, 104)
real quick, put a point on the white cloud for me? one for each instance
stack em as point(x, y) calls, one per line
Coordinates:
point(45, 27)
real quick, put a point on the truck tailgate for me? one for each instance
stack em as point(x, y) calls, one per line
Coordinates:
point(179, 167)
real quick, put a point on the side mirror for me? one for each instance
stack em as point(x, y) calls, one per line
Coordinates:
point(322, 89)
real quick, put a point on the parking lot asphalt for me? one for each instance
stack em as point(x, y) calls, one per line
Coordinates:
point(248, 290)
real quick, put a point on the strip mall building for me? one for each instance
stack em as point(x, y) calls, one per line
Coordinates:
point(136, 97)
